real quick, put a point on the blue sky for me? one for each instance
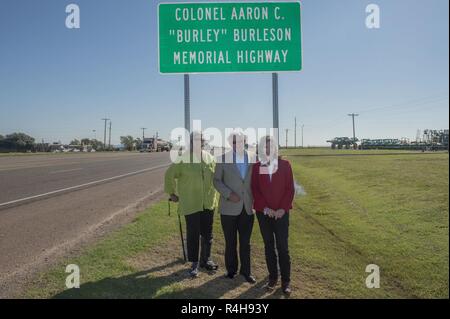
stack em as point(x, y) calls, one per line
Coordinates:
point(57, 83)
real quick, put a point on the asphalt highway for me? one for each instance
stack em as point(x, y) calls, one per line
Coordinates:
point(49, 203)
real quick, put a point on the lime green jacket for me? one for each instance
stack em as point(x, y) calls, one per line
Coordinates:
point(192, 183)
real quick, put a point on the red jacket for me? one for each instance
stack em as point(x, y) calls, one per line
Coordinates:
point(275, 194)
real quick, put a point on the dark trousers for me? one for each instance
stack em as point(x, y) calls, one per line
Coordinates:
point(275, 234)
point(199, 228)
point(232, 226)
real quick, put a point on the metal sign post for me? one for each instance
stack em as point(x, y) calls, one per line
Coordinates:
point(276, 121)
point(187, 104)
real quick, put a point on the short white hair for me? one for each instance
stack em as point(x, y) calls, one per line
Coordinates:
point(197, 134)
point(237, 134)
point(273, 147)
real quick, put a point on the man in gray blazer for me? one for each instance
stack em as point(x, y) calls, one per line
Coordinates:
point(232, 179)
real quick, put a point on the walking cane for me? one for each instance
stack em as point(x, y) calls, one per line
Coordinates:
point(181, 232)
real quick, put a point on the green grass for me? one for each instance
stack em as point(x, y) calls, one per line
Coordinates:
point(316, 151)
point(388, 210)
point(108, 258)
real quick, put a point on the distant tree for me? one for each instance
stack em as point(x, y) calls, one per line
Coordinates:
point(97, 145)
point(138, 143)
point(19, 142)
point(128, 142)
point(75, 142)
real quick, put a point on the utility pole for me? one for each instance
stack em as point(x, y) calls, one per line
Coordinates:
point(104, 134)
point(303, 125)
point(287, 132)
point(109, 143)
point(295, 132)
point(353, 118)
point(143, 133)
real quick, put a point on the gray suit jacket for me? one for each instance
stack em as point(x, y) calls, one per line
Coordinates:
point(227, 179)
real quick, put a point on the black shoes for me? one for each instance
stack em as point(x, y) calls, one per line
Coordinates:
point(209, 265)
point(271, 284)
point(286, 288)
point(230, 275)
point(193, 272)
point(250, 279)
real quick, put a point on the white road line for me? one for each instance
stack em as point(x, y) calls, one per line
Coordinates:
point(66, 171)
point(82, 185)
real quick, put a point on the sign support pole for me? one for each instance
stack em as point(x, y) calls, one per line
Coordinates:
point(187, 104)
point(276, 121)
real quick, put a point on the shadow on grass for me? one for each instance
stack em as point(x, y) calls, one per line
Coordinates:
point(140, 285)
point(257, 291)
point(160, 282)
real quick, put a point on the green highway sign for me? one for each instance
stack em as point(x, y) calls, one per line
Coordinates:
point(216, 37)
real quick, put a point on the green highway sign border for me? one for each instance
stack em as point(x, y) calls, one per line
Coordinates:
point(231, 2)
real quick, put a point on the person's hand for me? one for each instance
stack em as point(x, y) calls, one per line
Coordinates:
point(174, 198)
point(269, 212)
point(279, 214)
point(234, 198)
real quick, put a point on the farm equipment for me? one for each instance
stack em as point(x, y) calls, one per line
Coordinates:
point(436, 139)
point(367, 144)
point(343, 142)
point(432, 140)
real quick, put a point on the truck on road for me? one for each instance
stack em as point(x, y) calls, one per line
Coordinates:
point(155, 145)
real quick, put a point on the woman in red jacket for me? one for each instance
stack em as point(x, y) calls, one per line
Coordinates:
point(273, 193)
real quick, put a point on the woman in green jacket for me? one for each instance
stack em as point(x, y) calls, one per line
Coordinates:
point(189, 181)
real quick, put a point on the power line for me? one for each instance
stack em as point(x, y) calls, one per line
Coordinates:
point(392, 114)
point(411, 103)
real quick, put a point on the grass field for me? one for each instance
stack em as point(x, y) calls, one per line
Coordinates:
point(388, 210)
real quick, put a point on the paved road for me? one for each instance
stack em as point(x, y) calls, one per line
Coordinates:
point(49, 203)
